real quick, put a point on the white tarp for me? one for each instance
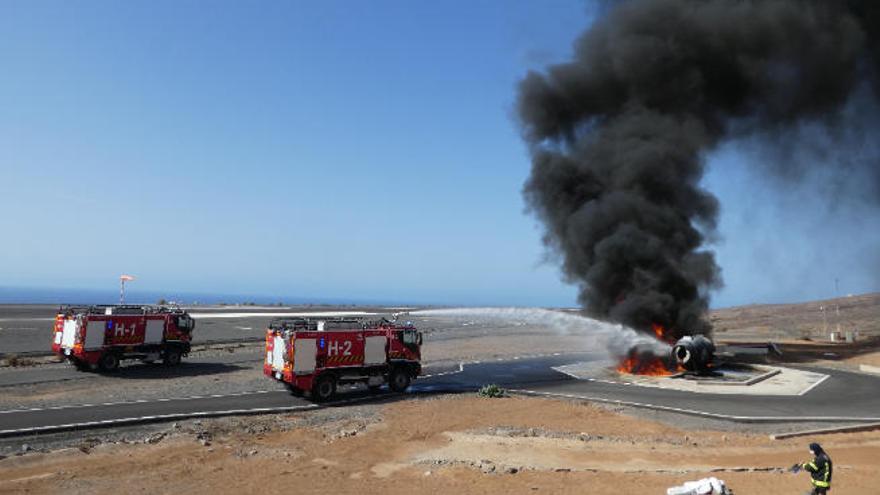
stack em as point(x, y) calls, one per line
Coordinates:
point(705, 486)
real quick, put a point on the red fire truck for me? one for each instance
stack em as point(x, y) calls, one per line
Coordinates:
point(102, 336)
point(314, 356)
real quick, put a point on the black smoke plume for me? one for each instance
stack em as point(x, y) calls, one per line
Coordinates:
point(618, 135)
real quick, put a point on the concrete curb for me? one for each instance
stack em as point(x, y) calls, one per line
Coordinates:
point(826, 431)
point(751, 381)
point(703, 414)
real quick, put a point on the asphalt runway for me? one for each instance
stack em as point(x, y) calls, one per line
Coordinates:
point(64, 372)
point(27, 329)
point(843, 396)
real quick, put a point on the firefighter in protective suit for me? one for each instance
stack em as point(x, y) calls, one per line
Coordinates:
point(820, 470)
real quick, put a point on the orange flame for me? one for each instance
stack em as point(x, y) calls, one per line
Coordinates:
point(658, 330)
point(645, 364)
point(638, 365)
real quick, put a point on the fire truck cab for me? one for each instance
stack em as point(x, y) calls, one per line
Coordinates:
point(313, 356)
point(102, 336)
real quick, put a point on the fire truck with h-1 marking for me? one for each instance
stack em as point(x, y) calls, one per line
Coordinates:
point(313, 356)
point(103, 335)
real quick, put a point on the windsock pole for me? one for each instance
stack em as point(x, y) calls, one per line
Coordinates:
point(122, 279)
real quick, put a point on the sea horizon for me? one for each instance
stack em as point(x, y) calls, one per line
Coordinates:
point(66, 295)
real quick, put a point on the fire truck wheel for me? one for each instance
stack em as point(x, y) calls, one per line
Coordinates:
point(324, 388)
point(82, 366)
point(374, 388)
point(294, 391)
point(399, 379)
point(172, 357)
point(109, 362)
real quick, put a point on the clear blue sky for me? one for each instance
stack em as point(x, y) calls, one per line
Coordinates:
point(360, 150)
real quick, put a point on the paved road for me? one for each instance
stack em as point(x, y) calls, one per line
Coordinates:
point(842, 395)
point(193, 365)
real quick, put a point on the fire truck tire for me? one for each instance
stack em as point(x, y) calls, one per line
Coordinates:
point(399, 379)
point(374, 388)
point(324, 388)
point(172, 357)
point(82, 366)
point(109, 362)
point(294, 391)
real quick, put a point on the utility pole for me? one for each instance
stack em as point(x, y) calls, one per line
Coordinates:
point(837, 302)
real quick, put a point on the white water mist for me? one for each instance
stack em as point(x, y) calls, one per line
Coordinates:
point(615, 339)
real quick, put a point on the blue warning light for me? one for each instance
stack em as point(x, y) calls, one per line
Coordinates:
point(321, 342)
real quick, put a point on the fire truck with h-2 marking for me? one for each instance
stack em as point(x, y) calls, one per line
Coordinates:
point(313, 356)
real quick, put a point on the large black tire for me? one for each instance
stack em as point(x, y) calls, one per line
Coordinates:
point(398, 379)
point(82, 366)
point(324, 388)
point(109, 362)
point(294, 391)
point(171, 357)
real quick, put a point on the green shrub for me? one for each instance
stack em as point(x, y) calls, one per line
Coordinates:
point(14, 360)
point(492, 391)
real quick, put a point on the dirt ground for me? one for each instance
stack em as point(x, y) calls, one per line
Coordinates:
point(463, 444)
point(871, 359)
point(810, 320)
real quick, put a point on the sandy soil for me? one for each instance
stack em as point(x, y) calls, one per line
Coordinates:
point(444, 445)
point(800, 320)
point(871, 359)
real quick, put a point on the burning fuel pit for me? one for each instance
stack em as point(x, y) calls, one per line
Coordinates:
point(645, 360)
point(691, 354)
point(642, 360)
point(690, 365)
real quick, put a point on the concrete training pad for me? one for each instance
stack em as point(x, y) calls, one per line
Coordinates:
point(787, 381)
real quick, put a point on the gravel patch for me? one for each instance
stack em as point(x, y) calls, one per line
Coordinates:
point(334, 423)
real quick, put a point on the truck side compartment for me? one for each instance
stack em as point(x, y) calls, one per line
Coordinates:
point(312, 357)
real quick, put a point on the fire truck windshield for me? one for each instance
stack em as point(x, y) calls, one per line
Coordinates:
point(410, 337)
point(185, 323)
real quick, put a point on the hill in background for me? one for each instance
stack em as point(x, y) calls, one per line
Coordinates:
point(799, 321)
